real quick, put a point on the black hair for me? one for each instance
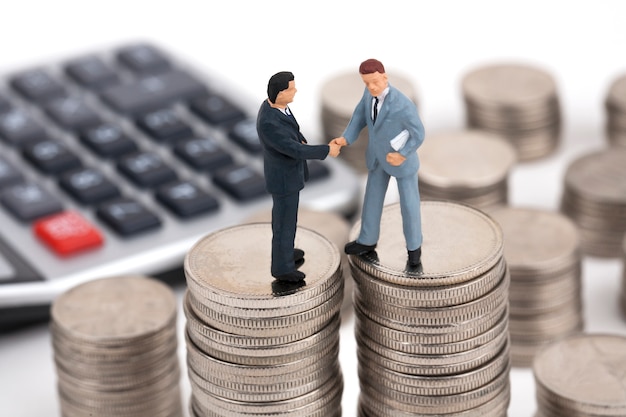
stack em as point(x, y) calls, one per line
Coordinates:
point(278, 82)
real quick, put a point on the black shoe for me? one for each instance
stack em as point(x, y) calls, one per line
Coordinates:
point(298, 257)
point(293, 276)
point(355, 248)
point(283, 288)
point(415, 257)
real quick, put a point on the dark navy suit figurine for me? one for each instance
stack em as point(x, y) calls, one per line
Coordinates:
point(395, 132)
point(285, 152)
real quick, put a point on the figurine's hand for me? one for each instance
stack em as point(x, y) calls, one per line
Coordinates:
point(341, 141)
point(334, 149)
point(395, 159)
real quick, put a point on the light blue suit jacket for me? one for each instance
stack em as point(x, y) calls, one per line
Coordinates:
point(397, 113)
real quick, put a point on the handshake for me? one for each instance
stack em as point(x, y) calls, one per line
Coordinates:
point(393, 158)
point(335, 146)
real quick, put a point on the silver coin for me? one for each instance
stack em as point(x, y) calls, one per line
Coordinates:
point(442, 405)
point(594, 197)
point(584, 374)
point(460, 162)
point(497, 407)
point(460, 243)
point(508, 84)
point(375, 289)
point(413, 343)
point(114, 309)
point(232, 267)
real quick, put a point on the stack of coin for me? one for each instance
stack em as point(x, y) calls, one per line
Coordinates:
point(594, 196)
point(581, 375)
point(615, 105)
point(432, 340)
point(115, 349)
point(542, 250)
point(469, 166)
point(333, 227)
point(516, 101)
point(339, 97)
point(256, 346)
point(623, 295)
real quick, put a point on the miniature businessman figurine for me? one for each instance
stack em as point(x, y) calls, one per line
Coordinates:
point(285, 151)
point(395, 132)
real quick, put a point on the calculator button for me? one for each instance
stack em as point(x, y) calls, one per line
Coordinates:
point(244, 133)
point(108, 140)
point(29, 201)
point(72, 112)
point(203, 154)
point(143, 59)
point(51, 157)
point(37, 85)
point(91, 72)
point(88, 186)
point(216, 110)
point(9, 174)
point(152, 93)
point(165, 125)
point(146, 169)
point(18, 128)
point(127, 217)
point(186, 199)
point(241, 182)
point(67, 233)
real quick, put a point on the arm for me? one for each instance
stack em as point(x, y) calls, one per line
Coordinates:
point(285, 140)
point(358, 120)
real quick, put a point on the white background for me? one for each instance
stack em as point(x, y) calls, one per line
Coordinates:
point(581, 43)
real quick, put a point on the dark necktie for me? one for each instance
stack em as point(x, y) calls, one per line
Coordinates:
point(375, 109)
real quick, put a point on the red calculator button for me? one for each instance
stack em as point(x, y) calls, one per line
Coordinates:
point(67, 233)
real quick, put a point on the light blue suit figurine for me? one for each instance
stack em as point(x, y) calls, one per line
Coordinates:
point(395, 132)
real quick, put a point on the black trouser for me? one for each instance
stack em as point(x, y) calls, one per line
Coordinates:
point(284, 222)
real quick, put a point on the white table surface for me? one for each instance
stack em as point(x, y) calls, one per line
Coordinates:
point(581, 43)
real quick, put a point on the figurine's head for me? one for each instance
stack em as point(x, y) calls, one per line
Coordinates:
point(281, 88)
point(373, 75)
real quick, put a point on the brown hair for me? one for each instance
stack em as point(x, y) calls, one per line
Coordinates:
point(371, 66)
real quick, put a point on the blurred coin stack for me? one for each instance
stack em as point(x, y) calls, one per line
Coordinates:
point(542, 250)
point(339, 96)
point(623, 295)
point(581, 375)
point(470, 167)
point(115, 349)
point(432, 340)
point(594, 196)
point(256, 346)
point(615, 105)
point(516, 101)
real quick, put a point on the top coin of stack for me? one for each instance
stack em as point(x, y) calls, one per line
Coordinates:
point(332, 226)
point(115, 349)
point(615, 105)
point(594, 197)
point(581, 375)
point(339, 97)
point(470, 167)
point(516, 101)
point(257, 346)
point(433, 340)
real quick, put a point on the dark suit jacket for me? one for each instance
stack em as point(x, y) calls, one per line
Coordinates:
point(284, 151)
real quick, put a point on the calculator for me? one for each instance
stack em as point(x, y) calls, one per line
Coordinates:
point(117, 161)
